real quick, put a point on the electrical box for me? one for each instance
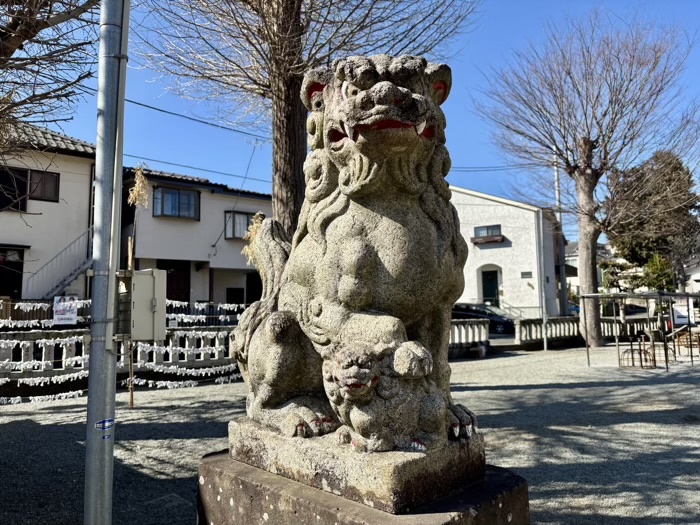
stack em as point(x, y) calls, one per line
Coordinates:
point(142, 304)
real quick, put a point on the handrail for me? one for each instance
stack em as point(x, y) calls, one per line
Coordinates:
point(63, 264)
point(511, 308)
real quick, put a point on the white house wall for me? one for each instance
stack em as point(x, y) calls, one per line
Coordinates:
point(184, 239)
point(227, 279)
point(514, 256)
point(48, 227)
point(551, 293)
point(199, 283)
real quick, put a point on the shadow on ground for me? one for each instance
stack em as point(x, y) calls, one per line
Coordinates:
point(42, 465)
point(611, 446)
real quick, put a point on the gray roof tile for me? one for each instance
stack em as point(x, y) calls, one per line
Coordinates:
point(46, 140)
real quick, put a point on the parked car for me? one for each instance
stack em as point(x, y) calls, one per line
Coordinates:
point(500, 321)
point(630, 309)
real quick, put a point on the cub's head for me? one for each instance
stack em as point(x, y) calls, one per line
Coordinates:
point(377, 118)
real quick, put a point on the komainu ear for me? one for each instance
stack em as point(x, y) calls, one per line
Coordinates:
point(312, 87)
point(440, 81)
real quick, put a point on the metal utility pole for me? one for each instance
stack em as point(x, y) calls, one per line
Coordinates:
point(99, 454)
point(541, 271)
point(563, 290)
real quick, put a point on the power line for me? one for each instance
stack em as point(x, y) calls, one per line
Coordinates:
point(477, 169)
point(193, 119)
point(233, 208)
point(225, 174)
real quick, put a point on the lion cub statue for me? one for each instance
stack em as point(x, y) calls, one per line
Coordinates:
point(352, 330)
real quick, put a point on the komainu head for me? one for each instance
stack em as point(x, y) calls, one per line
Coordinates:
point(378, 121)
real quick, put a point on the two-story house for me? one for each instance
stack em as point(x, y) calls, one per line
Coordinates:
point(45, 206)
point(194, 229)
point(513, 253)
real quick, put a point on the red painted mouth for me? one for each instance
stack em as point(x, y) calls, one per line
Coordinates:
point(338, 135)
point(386, 124)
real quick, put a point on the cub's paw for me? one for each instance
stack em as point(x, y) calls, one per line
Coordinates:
point(411, 359)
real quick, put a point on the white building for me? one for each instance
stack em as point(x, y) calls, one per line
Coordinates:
point(604, 252)
point(513, 253)
point(193, 228)
point(45, 203)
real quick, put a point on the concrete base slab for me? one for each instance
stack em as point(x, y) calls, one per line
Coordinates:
point(233, 493)
point(395, 482)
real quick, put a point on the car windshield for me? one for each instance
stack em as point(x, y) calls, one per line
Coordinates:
point(497, 311)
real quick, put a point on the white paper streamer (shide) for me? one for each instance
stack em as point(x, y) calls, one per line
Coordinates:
point(145, 347)
point(197, 334)
point(23, 365)
point(169, 302)
point(9, 344)
point(64, 342)
point(186, 318)
point(56, 397)
point(225, 380)
point(4, 380)
point(196, 372)
point(57, 379)
point(30, 307)
point(10, 400)
point(170, 385)
point(11, 323)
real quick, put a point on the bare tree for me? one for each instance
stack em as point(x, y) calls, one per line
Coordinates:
point(46, 52)
point(598, 97)
point(249, 56)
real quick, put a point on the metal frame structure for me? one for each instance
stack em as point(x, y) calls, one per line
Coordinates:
point(660, 298)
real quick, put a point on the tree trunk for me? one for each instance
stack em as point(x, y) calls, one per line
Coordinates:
point(588, 233)
point(288, 117)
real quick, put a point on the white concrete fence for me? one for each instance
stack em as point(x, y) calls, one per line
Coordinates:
point(532, 330)
point(51, 352)
point(40, 353)
point(469, 332)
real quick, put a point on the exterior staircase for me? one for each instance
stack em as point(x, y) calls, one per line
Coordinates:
point(55, 276)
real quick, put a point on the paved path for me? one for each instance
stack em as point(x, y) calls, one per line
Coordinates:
point(598, 445)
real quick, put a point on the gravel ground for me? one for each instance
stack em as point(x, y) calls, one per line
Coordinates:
point(598, 445)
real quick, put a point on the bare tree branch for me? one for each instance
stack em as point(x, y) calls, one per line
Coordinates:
point(597, 99)
point(46, 53)
point(249, 56)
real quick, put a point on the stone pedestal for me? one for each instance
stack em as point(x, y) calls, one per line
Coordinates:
point(233, 493)
point(395, 482)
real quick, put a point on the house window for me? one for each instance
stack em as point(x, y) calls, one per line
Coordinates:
point(487, 231)
point(43, 186)
point(237, 224)
point(13, 189)
point(170, 202)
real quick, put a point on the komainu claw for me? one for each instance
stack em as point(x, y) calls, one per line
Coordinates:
point(418, 445)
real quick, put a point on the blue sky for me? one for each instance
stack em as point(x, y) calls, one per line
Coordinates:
point(501, 27)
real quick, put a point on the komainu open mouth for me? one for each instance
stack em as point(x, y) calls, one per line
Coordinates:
point(347, 132)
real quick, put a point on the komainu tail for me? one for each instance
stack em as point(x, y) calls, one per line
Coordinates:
point(268, 250)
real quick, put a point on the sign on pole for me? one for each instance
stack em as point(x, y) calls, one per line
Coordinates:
point(683, 312)
point(65, 309)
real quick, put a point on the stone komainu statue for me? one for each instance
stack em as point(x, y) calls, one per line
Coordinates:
point(352, 331)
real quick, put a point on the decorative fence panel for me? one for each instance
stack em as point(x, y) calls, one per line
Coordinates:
point(468, 338)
